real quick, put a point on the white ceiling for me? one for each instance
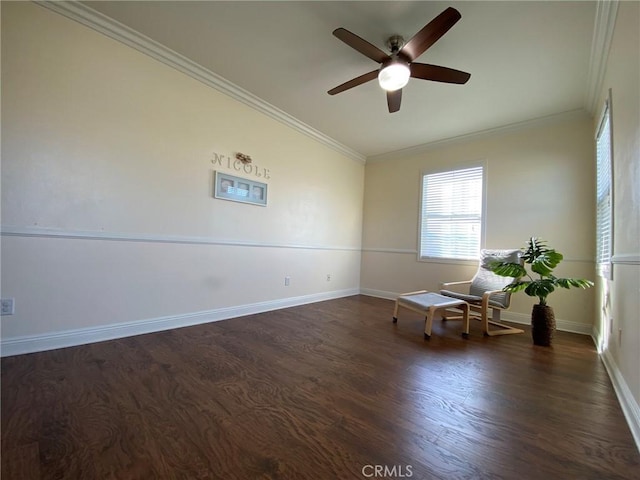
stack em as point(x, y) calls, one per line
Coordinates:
point(526, 59)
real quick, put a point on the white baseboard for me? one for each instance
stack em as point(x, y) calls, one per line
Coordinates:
point(522, 318)
point(561, 325)
point(82, 336)
point(629, 406)
point(379, 293)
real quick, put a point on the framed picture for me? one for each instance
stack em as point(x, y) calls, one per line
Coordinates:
point(237, 189)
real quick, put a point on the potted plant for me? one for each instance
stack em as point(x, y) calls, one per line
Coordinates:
point(539, 283)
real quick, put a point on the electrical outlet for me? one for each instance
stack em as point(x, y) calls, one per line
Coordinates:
point(328, 277)
point(8, 306)
point(287, 281)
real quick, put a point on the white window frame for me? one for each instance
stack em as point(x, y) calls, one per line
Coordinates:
point(471, 260)
point(604, 193)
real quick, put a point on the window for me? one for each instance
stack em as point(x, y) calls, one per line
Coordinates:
point(451, 214)
point(604, 218)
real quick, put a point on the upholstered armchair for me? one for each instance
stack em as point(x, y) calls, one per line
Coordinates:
point(484, 293)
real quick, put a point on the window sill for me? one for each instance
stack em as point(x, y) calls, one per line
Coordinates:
point(450, 261)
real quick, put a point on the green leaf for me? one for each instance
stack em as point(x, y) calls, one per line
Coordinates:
point(516, 286)
point(540, 289)
point(535, 248)
point(574, 282)
point(506, 269)
point(546, 262)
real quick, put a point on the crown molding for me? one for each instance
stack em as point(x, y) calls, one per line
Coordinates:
point(120, 32)
point(512, 127)
point(606, 13)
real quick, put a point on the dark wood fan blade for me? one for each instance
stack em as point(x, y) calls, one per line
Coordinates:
point(361, 45)
point(438, 74)
point(430, 34)
point(354, 82)
point(393, 100)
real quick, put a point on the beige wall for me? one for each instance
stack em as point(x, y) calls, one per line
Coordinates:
point(107, 208)
point(539, 183)
point(618, 330)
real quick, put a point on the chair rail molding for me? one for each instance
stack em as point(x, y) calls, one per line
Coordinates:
point(626, 259)
point(41, 232)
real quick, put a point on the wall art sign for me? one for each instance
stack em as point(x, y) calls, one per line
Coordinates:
point(237, 189)
point(246, 167)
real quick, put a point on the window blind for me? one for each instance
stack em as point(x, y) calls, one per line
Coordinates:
point(604, 240)
point(451, 214)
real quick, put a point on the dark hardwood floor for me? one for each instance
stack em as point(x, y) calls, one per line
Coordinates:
point(332, 390)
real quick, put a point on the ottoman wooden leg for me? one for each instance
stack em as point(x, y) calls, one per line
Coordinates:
point(428, 323)
point(465, 320)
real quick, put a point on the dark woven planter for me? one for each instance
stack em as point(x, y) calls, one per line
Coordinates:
point(543, 324)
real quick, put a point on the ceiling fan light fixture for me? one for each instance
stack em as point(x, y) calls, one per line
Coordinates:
point(394, 75)
point(398, 66)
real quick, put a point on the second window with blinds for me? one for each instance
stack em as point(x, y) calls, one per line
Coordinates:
point(604, 194)
point(452, 214)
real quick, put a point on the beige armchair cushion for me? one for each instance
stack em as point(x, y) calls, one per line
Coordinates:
point(486, 281)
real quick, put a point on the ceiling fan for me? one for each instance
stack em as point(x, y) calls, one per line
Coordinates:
point(396, 68)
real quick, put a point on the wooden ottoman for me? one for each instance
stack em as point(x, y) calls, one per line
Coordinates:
point(428, 304)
